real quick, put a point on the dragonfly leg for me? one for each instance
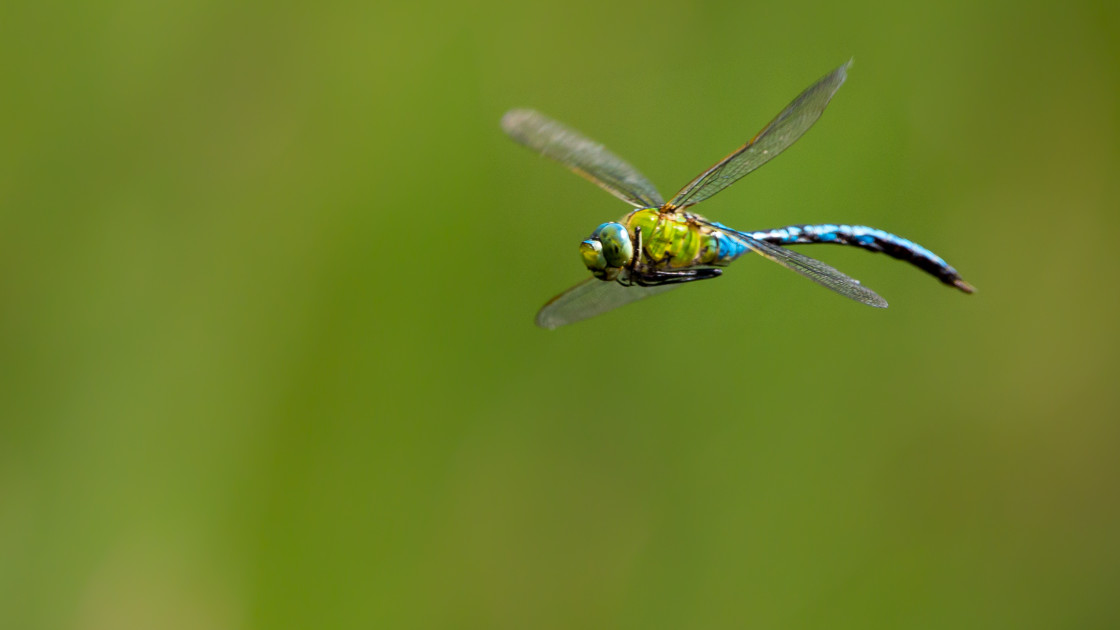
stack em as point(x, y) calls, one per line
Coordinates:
point(657, 278)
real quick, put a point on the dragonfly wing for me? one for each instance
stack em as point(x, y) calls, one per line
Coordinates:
point(783, 131)
point(590, 298)
point(816, 271)
point(582, 155)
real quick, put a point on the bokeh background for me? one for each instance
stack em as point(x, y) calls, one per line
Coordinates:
point(268, 274)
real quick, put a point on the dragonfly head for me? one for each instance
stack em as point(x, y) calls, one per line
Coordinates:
point(607, 251)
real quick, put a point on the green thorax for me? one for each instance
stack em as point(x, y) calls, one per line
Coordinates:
point(670, 240)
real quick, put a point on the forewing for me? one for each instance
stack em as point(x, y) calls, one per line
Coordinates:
point(584, 156)
point(590, 298)
point(783, 131)
point(816, 271)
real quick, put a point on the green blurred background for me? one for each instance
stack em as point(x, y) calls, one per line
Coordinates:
point(268, 275)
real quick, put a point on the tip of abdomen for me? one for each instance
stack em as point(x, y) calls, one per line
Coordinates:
point(964, 286)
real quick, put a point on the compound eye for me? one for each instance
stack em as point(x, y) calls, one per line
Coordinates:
point(592, 253)
point(617, 247)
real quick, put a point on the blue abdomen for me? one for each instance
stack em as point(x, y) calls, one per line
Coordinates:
point(728, 248)
point(869, 238)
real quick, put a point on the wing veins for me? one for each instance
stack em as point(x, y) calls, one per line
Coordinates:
point(823, 274)
point(583, 156)
point(775, 137)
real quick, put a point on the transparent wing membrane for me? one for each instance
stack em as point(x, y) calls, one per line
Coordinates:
point(582, 155)
point(776, 137)
point(590, 298)
point(814, 270)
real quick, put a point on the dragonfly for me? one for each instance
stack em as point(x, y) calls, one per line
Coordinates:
point(661, 245)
